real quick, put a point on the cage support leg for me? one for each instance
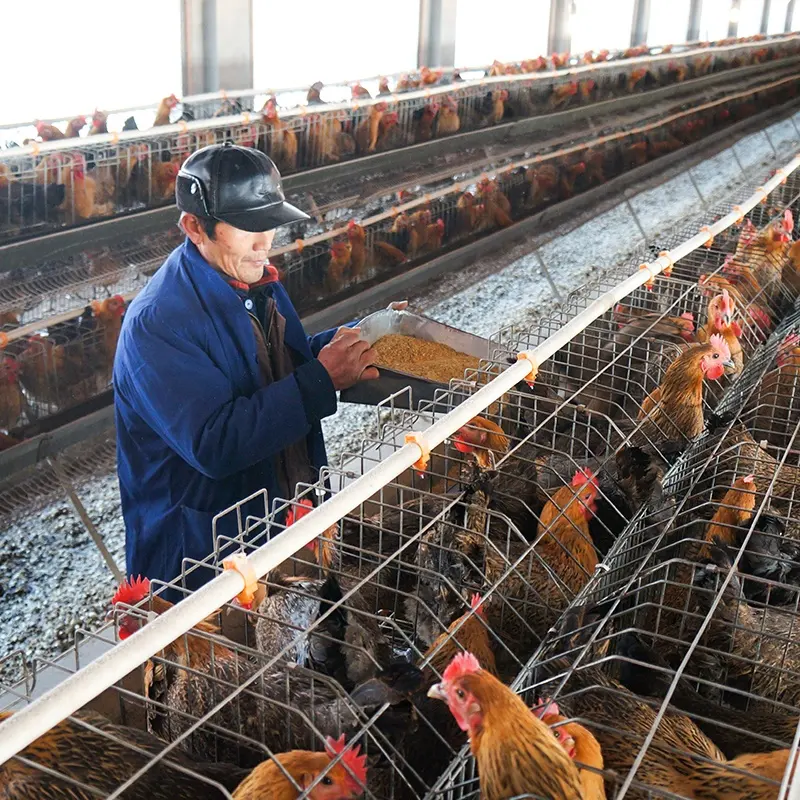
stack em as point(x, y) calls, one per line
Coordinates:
point(548, 276)
point(80, 510)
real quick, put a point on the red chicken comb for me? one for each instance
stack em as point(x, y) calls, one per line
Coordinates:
point(721, 346)
point(303, 507)
point(748, 479)
point(352, 225)
point(582, 477)
point(476, 604)
point(546, 708)
point(132, 591)
point(788, 221)
point(352, 759)
point(462, 664)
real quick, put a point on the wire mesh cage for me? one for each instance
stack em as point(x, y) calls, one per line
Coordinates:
point(77, 180)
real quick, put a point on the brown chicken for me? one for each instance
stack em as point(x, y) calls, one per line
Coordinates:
point(101, 760)
point(192, 674)
point(635, 78)
point(108, 314)
point(424, 118)
point(790, 274)
point(721, 310)
point(434, 234)
point(533, 64)
point(164, 109)
point(448, 121)
point(778, 400)
point(418, 224)
point(469, 213)
point(368, 130)
point(47, 132)
point(99, 123)
point(756, 313)
point(562, 94)
point(357, 237)
point(313, 95)
point(499, 98)
point(674, 411)
point(80, 200)
point(545, 180)
point(389, 133)
point(580, 745)
point(516, 752)
point(281, 139)
point(325, 137)
point(497, 206)
point(338, 265)
point(345, 781)
point(10, 394)
point(483, 439)
point(430, 77)
point(560, 60)
point(383, 86)
point(469, 632)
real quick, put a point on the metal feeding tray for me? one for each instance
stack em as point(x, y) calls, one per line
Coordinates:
point(382, 323)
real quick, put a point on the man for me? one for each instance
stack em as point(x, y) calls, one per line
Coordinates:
point(219, 392)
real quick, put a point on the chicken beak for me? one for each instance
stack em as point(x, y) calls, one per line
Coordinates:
point(726, 320)
point(729, 366)
point(436, 692)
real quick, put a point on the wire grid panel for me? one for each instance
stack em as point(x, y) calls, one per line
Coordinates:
point(81, 180)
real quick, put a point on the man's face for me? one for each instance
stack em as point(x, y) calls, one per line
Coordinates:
point(239, 254)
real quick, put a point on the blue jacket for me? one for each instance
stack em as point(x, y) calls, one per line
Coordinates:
point(196, 428)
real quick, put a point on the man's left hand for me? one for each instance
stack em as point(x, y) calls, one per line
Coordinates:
point(398, 305)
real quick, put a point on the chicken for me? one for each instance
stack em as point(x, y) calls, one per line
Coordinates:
point(344, 781)
point(516, 752)
point(192, 674)
point(499, 98)
point(778, 398)
point(469, 632)
point(448, 121)
point(635, 78)
point(422, 122)
point(757, 314)
point(674, 411)
point(790, 274)
point(356, 236)
point(367, 132)
point(108, 314)
point(545, 180)
point(728, 727)
point(496, 204)
point(164, 109)
point(580, 745)
point(347, 645)
point(533, 64)
point(483, 439)
point(586, 89)
point(469, 213)
point(80, 200)
point(313, 95)
point(99, 123)
point(75, 126)
point(280, 143)
point(389, 132)
point(430, 77)
point(721, 310)
point(10, 394)
point(324, 139)
point(565, 542)
point(434, 233)
point(338, 265)
point(560, 60)
point(47, 133)
point(103, 757)
point(383, 86)
point(418, 224)
point(561, 95)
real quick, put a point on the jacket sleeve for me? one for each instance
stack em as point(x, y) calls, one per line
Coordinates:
point(177, 389)
point(319, 340)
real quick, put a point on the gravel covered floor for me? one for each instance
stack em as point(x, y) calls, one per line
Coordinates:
point(52, 578)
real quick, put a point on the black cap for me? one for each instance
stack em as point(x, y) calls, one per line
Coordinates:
point(237, 185)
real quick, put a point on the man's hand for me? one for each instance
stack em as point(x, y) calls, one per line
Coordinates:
point(348, 359)
point(398, 305)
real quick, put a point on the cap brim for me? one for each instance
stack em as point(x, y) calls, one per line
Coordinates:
point(264, 219)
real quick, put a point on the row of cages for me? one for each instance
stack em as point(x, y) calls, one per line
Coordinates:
point(68, 363)
point(71, 182)
point(548, 539)
point(211, 105)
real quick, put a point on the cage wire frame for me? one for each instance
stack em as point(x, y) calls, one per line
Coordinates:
point(45, 186)
point(211, 104)
point(360, 552)
point(57, 381)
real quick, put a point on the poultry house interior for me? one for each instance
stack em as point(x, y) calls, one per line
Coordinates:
point(570, 568)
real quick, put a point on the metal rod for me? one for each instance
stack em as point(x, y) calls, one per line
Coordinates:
point(695, 16)
point(538, 256)
point(80, 510)
point(33, 721)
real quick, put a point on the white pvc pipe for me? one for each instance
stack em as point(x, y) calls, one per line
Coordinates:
point(33, 721)
point(251, 118)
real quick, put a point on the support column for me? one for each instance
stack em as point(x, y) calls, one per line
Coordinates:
point(695, 14)
point(733, 19)
point(765, 17)
point(641, 22)
point(217, 39)
point(437, 33)
point(787, 26)
point(559, 36)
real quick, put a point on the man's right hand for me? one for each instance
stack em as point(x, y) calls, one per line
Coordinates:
point(348, 359)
